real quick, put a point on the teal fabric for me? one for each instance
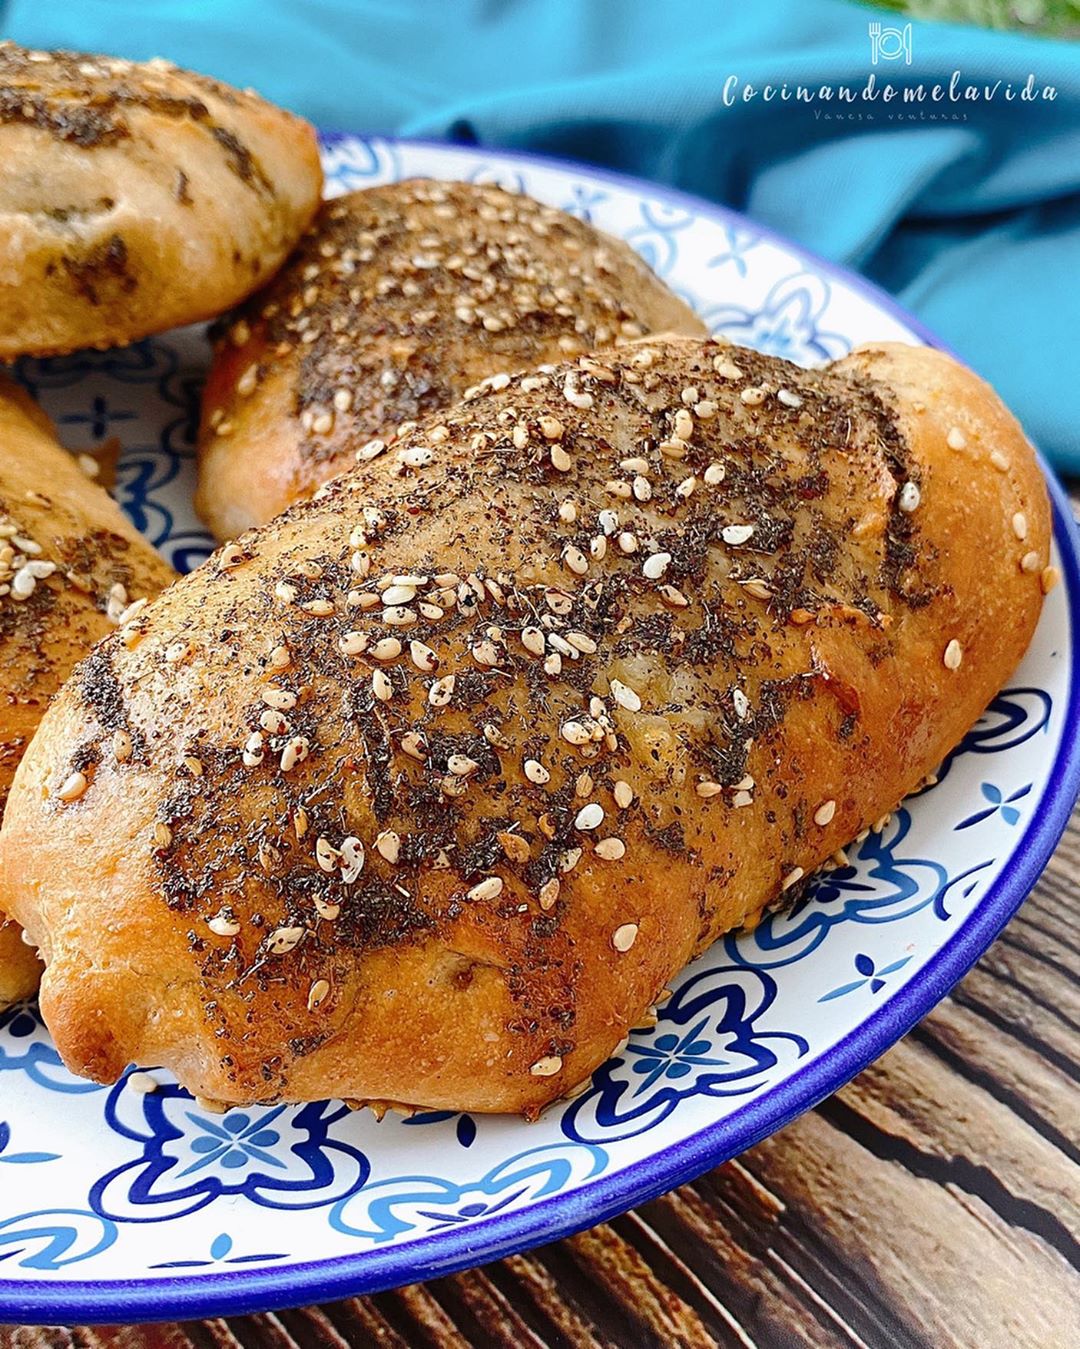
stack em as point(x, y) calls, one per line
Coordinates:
point(973, 224)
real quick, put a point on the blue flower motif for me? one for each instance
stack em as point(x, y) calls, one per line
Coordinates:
point(234, 1141)
point(280, 1157)
point(708, 1042)
point(49, 1239)
point(787, 323)
point(999, 805)
point(582, 200)
point(740, 241)
point(673, 1056)
point(871, 975)
point(98, 418)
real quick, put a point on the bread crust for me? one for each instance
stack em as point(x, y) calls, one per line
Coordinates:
point(136, 197)
point(52, 516)
point(398, 300)
point(548, 838)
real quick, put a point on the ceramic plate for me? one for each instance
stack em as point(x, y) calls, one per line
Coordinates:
point(118, 1206)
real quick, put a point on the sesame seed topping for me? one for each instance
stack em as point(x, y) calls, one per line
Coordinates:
point(909, 497)
point(956, 440)
point(624, 937)
point(388, 845)
point(795, 874)
point(610, 849)
point(489, 888)
point(1020, 525)
point(1030, 562)
point(441, 691)
point(589, 817)
point(954, 654)
point(223, 925)
point(549, 893)
point(317, 994)
point(1050, 578)
point(536, 772)
point(575, 733)
point(72, 787)
point(283, 700)
point(714, 474)
point(655, 565)
point(386, 649)
point(624, 794)
point(381, 686)
point(736, 534)
point(707, 789)
point(824, 813)
point(142, 1084)
point(283, 939)
point(296, 751)
point(548, 1066)
point(1000, 461)
point(625, 696)
point(789, 398)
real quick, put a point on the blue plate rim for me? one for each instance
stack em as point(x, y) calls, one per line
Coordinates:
point(254, 1290)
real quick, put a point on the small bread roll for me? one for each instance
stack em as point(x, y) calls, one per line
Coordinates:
point(458, 765)
point(399, 300)
point(137, 196)
point(70, 564)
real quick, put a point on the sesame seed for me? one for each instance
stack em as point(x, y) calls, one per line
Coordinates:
point(1050, 577)
point(398, 616)
point(273, 721)
point(1000, 461)
point(254, 751)
point(489, 888)
point(441, 691)
point(560, 460)
point(352, 858)
point(1020, 525)
point(726, 369)
point(752, 396)
point(423, 657)
point(574, 733)
point(956, 440)
point(549, 893)
point(673, 596)
point(223, 926)
point(742, 799)
point(789, 398)
point(736, 534)
point(569, 860)
point(72, 787)
point(625, 696)
point(352, 643)
point(642, 488)
point(388, 845)
point(532, 639)
point(514, 846)
point(795, 874)
point(708, 789)
point(381, 686)
point(655, 565)
point(461, 765)
point(551, 428)
point(624, 937)
point(589, 817)
point(121, 746)
point(954, 654)
point(610, 849)
point(283, 939)
point(628, 542)
point(909, 497)
point(575, 560)
point(412, 744)
point(536, 772)
point(686, 488)
point(635, 465)
point(1030, 562)
point(296, 751)
point(757, 587)
point(142, 1084)
point(568, 512)
point(326, 855)
point(624, 794)
point(547, 1066)
point(280, 699)
point(824, 813)
point(386, 649)
point(317, 994)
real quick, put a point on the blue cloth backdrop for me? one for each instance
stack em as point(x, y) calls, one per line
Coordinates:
point(974, 224)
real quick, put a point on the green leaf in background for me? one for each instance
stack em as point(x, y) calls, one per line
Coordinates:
point(1054, 18)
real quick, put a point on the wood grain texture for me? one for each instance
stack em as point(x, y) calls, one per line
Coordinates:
point(933, 1203)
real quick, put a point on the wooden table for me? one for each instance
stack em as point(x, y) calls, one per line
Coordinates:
point(933, 1202)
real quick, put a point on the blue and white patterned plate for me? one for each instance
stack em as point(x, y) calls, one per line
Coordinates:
point(117, 1205)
